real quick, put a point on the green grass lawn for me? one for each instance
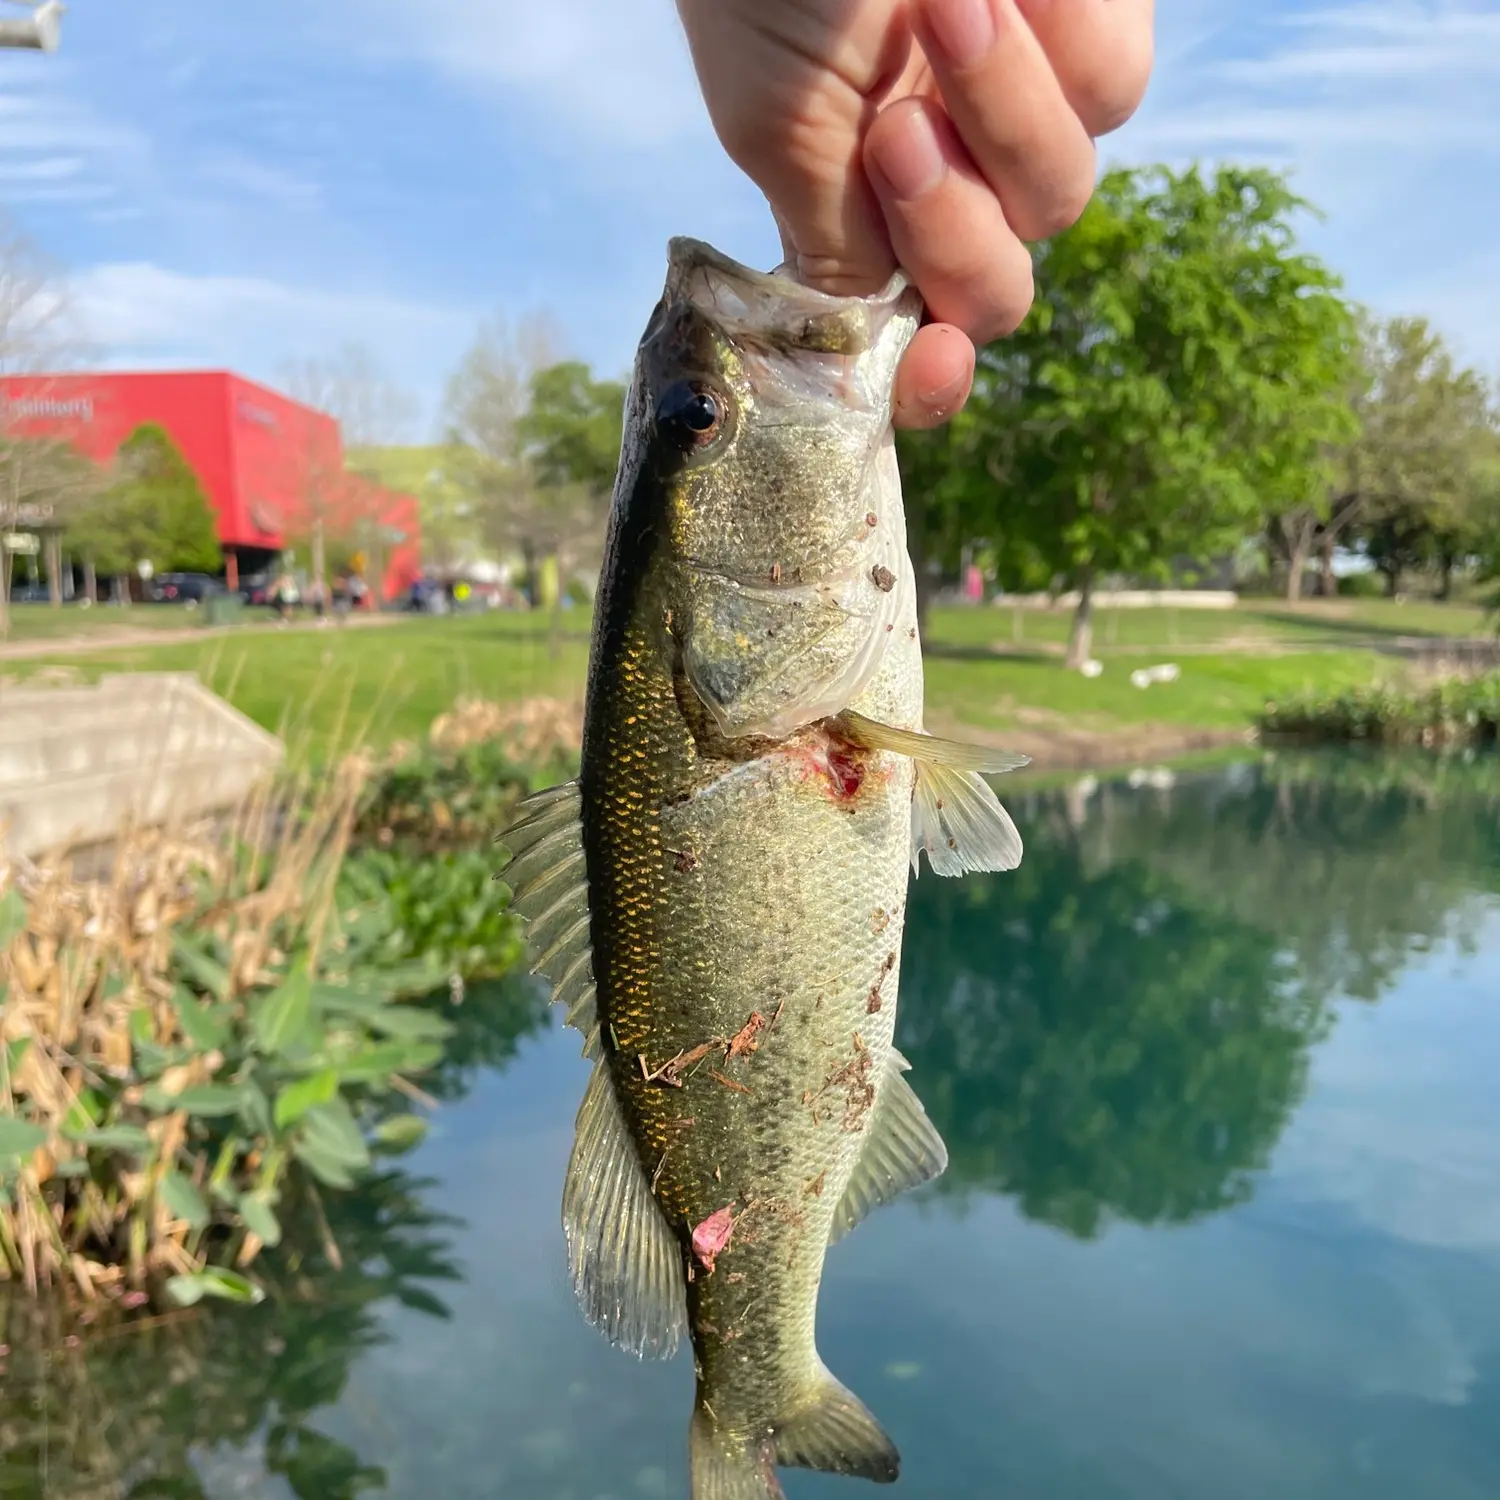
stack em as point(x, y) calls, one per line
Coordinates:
point(40, 622)
point(330, 687)
point(1257, 624)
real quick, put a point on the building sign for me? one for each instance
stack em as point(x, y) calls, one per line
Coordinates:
point(48, 408)
point(265, 518)
point(248, 411)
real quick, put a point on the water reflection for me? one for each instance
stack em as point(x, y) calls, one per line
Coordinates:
point(219, 1399)
point(1099, 1042)
point(1121, 1028)
point(1210, 1228)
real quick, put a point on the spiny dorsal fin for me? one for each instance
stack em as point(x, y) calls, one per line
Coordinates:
point(902, 1150)
point(626, 1262)
point(957, 818)
point(836, 1434)
point(549, 890)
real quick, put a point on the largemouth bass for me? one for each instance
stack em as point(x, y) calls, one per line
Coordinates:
point(719, 898)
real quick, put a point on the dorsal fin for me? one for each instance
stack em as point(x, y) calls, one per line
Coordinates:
point(549, 891)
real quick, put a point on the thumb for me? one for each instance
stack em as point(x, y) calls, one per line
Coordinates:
point(833, 236)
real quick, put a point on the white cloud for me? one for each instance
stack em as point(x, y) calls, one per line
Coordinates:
point(140, 315)
point(1385, 115)
point(616, 70)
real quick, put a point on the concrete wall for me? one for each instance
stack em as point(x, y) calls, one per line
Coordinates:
point(150, 747)
point(1126, 599)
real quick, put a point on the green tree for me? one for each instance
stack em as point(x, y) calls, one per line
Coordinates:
point(534, 443)
point(1182, 374)
point(573, 427)
point(1418, 459)
point(156, 511)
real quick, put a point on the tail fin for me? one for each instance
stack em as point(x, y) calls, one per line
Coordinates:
point(833, 1432)
point(726, 1468)
point(836, 1434)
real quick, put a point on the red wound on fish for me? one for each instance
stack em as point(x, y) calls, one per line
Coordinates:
point(847, 773)
point(712, 1235)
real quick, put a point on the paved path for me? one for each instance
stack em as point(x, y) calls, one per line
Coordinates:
point(111, 638)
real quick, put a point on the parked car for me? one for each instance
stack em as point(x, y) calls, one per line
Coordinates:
point(183, 588)
point(256, 588)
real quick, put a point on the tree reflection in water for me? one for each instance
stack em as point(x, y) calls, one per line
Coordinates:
point(1120, 1029)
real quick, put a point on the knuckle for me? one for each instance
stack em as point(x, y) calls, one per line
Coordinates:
point(1057, 202)
point(1008, 306)
point(1106, 90)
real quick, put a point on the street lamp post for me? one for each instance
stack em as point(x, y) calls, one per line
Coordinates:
point(38, 32)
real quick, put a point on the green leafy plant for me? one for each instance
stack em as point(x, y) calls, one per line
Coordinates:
point(184, 1041)
point(1453, 711)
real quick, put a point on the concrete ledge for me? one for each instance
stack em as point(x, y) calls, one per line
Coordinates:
point(148, 747)
point(1125, 599)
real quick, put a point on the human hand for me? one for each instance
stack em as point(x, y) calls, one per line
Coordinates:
point(935, 134)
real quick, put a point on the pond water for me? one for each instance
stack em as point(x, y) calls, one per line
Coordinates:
point(1217, 1071)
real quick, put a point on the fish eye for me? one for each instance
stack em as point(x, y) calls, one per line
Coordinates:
point(690, 414)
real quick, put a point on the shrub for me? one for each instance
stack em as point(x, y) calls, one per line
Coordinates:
point(1454, 711)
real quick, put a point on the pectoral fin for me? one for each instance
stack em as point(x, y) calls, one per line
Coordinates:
point(928, 748)
point(902, 1150)
point(956, 816)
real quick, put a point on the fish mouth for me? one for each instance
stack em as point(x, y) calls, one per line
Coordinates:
point(772, 309)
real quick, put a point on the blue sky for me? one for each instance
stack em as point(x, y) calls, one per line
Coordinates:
point(240, 185)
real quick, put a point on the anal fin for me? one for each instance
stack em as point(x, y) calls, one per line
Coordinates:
point(902, 1150)
point(836, 1434)
point(626, 1263)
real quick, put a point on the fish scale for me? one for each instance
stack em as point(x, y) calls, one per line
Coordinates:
point(754, 781)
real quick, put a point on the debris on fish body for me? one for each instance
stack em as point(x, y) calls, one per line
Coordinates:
point(719, 898)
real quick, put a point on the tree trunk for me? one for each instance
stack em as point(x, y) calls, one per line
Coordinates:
point(1081, 637)
point(1296, 565)
point(318, 565)
point(1445, 577)
point(554, 622)
point(533, 583)
point(1392, 576)
point(53, 545)
point(1328, 586)
point(4, 591)
point(90, 581)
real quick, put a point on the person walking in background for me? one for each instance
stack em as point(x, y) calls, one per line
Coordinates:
point(317, 596)
point(285, 595)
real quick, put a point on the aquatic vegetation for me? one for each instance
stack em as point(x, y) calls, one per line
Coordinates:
point(1451, 711)
point(458, 788)
point(215, 1401)
point(218, 1023)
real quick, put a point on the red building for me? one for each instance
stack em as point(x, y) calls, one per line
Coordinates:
point(269, 465)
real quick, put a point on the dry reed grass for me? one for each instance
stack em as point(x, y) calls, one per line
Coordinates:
point(100, 1036)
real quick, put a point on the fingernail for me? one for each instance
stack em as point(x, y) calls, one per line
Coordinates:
point(910, 159)
point(964, 29)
